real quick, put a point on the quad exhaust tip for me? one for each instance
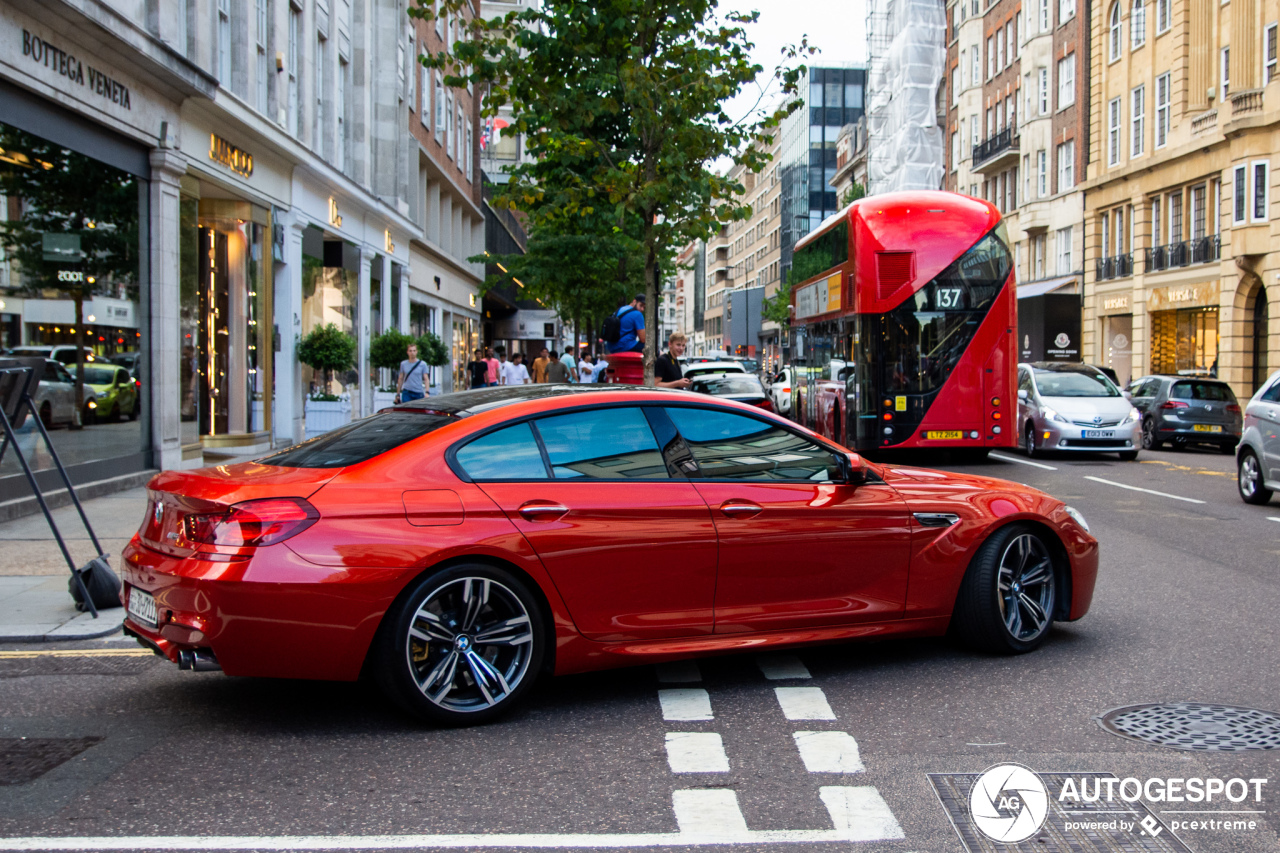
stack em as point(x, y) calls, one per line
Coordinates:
point(198, 660)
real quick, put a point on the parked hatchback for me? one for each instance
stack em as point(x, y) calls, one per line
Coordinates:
point(1258, 456)
point(1069, 406)
point(1185, 410)
point(742, 387)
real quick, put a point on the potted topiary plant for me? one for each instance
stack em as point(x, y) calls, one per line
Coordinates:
point(326, 349)
point(433, 351)
point(386, 351)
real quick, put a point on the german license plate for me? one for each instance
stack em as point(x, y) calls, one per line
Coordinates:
point(1206, 428)
point(142, 607)
point(944, 434)
point(1099, 433)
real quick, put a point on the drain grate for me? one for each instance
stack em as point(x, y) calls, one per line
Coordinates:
point(1197, 726)
point(25, 759)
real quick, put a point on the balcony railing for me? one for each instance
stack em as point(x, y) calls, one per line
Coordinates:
point(1118, 266)
point(1202, 250)
point(1246, 102)
point(1002, 141)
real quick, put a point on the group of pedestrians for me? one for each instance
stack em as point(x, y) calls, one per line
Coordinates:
point(491, 367)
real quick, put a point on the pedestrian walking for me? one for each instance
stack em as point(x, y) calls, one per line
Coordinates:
point(493, 375)
point(566, 358)
point(514, 372)
point(409, 384)
point(478, 370)
point(586, 369)
point(667, 372)
point(540, 366)
point(556, 370)
point(624, 331)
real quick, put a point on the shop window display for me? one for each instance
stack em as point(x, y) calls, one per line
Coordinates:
point(330, 291)
point(70, 254)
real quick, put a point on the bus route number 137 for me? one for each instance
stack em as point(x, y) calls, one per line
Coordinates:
point(945, 298)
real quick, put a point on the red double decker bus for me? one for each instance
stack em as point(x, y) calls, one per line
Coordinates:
point(905, 325)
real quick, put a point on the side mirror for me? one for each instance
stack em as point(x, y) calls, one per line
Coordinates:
point(855, 470)
point(1022, 394)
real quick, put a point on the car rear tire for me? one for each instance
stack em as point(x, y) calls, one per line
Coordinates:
point(1128, 455)
point(46, 415)
point(1249, 479)
point(1008, 595)
point(462, 647)
point(1149, 440)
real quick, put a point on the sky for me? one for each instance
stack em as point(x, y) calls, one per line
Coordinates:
point(837, 27)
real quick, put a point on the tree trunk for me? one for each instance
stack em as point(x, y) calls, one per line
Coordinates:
point(79, 386)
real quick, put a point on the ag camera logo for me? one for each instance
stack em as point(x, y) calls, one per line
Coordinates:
point(1008, 803)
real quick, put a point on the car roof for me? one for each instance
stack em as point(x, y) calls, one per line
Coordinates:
point(714, 365)
point(1173, 377)
point(463, 404)
point(1060, 367)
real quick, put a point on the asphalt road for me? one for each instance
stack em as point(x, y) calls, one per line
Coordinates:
point(1185, 610)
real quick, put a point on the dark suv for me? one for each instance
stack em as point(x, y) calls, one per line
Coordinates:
point(1186, 410)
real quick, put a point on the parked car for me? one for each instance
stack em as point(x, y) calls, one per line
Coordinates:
point(459, 547)
point(1185, 410)
point(1258, 454)
point(742, 387)
point(705, 368)
point(63, 354)
point(55, 395)
point(115, 392)
point(780, 390)
point(1074, 407)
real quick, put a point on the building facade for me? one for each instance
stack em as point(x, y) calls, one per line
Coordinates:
point(1180, 216)
point(272, 167)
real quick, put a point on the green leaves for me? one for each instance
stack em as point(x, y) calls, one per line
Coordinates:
point(327, 348)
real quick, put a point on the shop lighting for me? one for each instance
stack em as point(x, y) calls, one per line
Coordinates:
point(90, 224)
point(92, 319)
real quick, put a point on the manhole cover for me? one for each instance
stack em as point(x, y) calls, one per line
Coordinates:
point(25, 759)
point(1193, 725)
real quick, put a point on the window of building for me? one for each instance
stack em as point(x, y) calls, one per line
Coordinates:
point(1225, 64)
point(1115, 33)
point(1026, 176)
point(1042, 173)
point(1138, 24)
point(1063, 241)
point(1038, 252)
point(1269, 54)
point(1162, 109)
point(974, 130)
point(1162, 16)
point(1043, 88)
point(1019, 33)
point(1066, 165)
point(1197, 212)
point(470, 143)
point(1261, 191)
point(1157, 206)
point(442, 110)
point(1066, 10)
point(1067, 80)
point(1113, 132)
point(1175, 217)
point(424, 111)
point(322, 62)
point(1000, 49)
point(955, 150)
point(1138, 121)
point(295, 16)
point(448, 124)
point(1118, 218)
point(975, 63)
point(224, 42)
point(1239, 201)
point(1105, 221)
point(260, 40)
point(964, 68)
point(999, 116)
point(991, 59)
point(340, 110)
point(1009, 43)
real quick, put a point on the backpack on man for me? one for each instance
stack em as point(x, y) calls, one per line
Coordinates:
point(612, 327)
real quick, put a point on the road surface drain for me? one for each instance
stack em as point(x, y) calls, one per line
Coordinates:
point(1192, 725)
point(1070, 827)
point(25, 759)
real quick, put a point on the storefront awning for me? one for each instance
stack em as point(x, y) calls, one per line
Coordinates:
point(1062, 284)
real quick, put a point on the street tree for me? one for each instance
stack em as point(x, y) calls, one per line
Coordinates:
point(621, 105)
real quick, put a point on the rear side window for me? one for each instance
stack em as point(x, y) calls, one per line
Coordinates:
point(507, 454)
point(358, 442)
point(1213, 391)
point(605, 444)
point(729, 446)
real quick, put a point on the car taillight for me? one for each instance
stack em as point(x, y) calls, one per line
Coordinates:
point(1174, 404)
point(1233, 409)
point(252, 524)
point(766, 405)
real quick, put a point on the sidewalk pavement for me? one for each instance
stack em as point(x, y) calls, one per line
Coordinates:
point(35, 605)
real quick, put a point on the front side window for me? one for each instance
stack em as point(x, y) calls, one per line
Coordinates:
point(730, 446)
point(602, 444)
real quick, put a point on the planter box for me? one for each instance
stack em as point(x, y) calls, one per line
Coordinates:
point(383, 400)
point(322, 416)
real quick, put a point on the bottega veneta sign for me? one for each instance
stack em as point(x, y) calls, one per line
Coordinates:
point(59, 63)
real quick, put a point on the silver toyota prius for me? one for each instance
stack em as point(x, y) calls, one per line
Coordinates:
point(1068, 406)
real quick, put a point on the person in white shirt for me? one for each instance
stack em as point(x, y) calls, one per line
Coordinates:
point(586, 370)
point(514, 372)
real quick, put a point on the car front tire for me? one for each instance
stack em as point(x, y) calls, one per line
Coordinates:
point(1008, 595)
point(462, 647)
point(1249, 479)
point(1128, 455)
point(1030, 436)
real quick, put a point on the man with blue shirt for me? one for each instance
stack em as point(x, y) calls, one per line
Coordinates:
point(409, 384)
point(631, 318)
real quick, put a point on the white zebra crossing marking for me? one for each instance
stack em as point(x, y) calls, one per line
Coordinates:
point(829, 752)
point(685, 703)
point(860, 813)
point(712, 813)
point(678, 672)
point(782, 667)
point(804, 703)
point(696, 752)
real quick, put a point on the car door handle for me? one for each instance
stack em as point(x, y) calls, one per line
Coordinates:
point(542, 511)
point(740, 509)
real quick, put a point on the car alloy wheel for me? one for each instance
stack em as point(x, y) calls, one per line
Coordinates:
point(1008, 596)
point(463, 645)
point(1031, 441)
point(1249, 480)
point(1149, 436)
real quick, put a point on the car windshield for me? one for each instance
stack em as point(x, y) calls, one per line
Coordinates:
point(1214, 391)
point(358, 442)
point(99, 375)
point(703, 370)
point(1072, 384)
point(729, 384)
